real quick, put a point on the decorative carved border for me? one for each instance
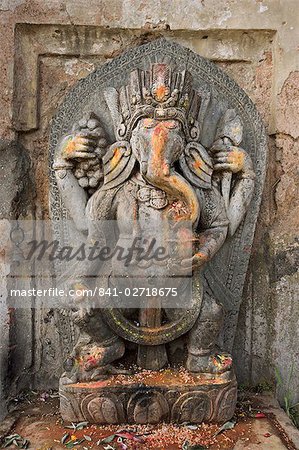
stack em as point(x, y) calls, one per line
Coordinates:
point(212, 402)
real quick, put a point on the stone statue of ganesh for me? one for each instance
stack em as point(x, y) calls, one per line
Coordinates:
point(156, 175)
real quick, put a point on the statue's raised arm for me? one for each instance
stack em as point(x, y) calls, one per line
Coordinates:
point(78, 166)
point(235, 168)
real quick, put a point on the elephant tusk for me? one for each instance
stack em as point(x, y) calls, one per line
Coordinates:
point(166, 170)
point(143, 167)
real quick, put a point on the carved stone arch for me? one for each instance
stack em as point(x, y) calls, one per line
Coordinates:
point(225, 275)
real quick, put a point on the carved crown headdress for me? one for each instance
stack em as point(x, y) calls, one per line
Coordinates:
point(159, 93)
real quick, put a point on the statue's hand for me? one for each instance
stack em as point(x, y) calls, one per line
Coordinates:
point(185, 266)
point(81, 316)
point(228, 157)
point(197, 261)
point(87, 141)
point(81, 145)
point(82, 311)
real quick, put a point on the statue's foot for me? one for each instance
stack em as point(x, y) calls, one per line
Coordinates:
point(95, 355)
point(216, 363)
point(102, 373)
point(93, 359)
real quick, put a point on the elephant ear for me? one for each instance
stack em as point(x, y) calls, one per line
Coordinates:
point(118, 164)
point(197, 165)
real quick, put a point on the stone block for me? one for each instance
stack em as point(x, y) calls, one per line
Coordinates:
point(152, 397)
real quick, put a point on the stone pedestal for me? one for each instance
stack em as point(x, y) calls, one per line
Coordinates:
point(150, 397)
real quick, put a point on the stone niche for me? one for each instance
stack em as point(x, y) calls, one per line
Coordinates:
point(51, 59)
point(162, 134)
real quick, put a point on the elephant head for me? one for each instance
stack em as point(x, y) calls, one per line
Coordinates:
point(157, 145)
point(154, 116)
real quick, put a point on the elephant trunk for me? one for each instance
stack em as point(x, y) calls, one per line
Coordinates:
point(159, 172)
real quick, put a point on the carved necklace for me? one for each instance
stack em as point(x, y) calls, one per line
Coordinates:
point(147, 194)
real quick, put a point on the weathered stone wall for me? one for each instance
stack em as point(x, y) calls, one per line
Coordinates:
point(47, 46)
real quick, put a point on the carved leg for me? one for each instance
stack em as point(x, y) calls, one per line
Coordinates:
point(202, 355)
point(97, 347)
